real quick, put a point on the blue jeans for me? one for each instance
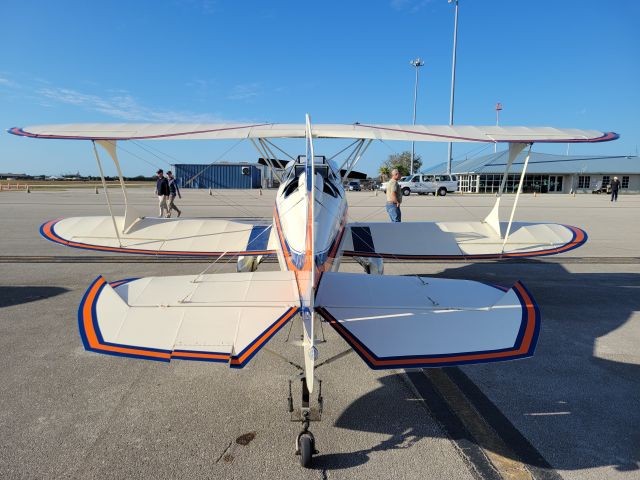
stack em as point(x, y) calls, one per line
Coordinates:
point(394, 212)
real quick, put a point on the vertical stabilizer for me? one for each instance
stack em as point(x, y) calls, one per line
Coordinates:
point(309, 268)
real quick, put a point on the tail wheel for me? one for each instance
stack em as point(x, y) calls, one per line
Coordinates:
point(305, 446)
point(406, 192)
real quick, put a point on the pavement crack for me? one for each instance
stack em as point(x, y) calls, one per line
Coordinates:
point(224, 452)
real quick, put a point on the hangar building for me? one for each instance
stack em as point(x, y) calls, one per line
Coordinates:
point(218, 175)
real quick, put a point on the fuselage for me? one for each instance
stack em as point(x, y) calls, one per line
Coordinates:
point(309, 220)
point(295, 225)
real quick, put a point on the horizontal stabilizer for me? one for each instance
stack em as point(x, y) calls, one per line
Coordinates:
point(457, 240)
point(411, 322)
point(164, 236)
point(216, 318)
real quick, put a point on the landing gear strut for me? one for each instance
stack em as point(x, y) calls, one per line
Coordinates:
point(305, 441)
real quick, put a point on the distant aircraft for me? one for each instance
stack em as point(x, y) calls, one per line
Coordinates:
point(390, 321)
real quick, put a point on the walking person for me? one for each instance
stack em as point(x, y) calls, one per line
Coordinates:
point(162, 190)
point(394, 197)
point(173, 191)
point(615, 186)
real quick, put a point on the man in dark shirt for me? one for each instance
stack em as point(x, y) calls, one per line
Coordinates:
point(162, 190)
point(173, 191)
point(615, 186)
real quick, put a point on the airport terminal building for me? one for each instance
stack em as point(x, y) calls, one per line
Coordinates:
point(546, 173)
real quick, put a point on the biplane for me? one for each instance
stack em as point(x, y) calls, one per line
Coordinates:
point(392, 322)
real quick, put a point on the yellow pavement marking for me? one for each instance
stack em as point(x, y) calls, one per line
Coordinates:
point(496, 450)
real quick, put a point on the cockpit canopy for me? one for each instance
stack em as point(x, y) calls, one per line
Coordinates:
point(330, 180)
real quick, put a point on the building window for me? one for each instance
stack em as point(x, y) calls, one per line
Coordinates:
point(625, 181)
point(606, 179)
point(584, 181)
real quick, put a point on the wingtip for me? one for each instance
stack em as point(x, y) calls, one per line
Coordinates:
point(16, 131)
point(612, 135)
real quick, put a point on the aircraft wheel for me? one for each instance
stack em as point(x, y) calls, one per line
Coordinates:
point(305, 446)
point(406, 192)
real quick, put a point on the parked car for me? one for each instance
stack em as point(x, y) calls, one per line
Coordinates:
point(599, 188)
point(423, 184)
point(354, 186)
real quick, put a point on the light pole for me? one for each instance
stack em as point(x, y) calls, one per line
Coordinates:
point(453, 80)
point(417, 63)
point(498, 110)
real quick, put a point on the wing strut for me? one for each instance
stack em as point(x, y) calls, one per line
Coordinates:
point(265, 154)
point(515, 203)
point(131, 216)
point(493, 219)
point(358, 156)
point(271, 157)
point(106, 192)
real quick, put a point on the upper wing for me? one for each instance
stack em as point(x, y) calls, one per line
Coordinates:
point(164, 236)
point(417, 133)
point(217, 318)
point(411, 322)
point(453, 240)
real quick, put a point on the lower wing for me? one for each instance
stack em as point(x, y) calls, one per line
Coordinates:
point(216, 318)
point(414, 322)
point(454, 240)
point(164, 236)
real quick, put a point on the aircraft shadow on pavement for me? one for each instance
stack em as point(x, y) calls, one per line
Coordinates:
point(378, 412)
point(577, 409)
point(10, 296)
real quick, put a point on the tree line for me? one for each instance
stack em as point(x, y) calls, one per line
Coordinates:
point(401, 162)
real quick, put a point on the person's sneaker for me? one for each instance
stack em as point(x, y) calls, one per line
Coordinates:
point(179, 212)
point(169, 215)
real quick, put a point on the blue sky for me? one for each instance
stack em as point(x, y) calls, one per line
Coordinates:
point(564, 63)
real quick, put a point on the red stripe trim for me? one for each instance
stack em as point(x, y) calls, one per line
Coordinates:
point(607, 136)
point(23, 133)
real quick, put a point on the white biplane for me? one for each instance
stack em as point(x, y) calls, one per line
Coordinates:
point(392, 322)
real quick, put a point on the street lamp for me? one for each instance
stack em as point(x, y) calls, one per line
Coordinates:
point(453, 81)
point(498, 110)
point(417, 63)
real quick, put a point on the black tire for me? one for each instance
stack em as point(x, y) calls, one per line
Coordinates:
point(442, 191)
point(306, 450)
point(406, 192)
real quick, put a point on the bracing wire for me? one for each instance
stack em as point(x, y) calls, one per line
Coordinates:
point(214, 162)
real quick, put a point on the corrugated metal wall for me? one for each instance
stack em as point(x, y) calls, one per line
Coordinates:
point(223, 175)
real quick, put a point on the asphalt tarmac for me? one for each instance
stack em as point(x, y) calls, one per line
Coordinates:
point(572, 411)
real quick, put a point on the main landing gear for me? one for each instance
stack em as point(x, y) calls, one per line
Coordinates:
point(305, 441)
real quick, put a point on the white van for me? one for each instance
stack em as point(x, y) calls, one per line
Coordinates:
point(423, 184)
